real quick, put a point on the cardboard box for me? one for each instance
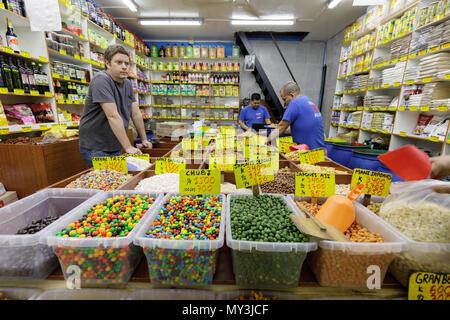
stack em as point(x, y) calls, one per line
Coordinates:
point(7, 198)
point(166, 129)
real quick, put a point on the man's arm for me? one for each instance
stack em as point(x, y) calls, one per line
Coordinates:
point(243, 126)
point(116, 123)
point(268, 121)
point(138, 121)
point(281, 129)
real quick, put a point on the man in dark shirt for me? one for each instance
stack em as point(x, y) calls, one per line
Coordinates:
point(109, 105)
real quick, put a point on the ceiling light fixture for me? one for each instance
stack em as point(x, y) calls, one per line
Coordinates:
point(333, 3)
point(367, 2)
point(130, 4)
point(171, 22)
point(262, 22)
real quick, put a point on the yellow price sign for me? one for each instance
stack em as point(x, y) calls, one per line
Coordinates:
point(401, 108)
point(446, 45)
point(427, 79)
point(442, 108)
point(34, 92)
point(224, 163)
point(429, 286)
point(43, 59)
point(4, 131)
point(112, 163)
point(26, 129)
point(25, 54)
point(19, 91)
point(252, 173)
point(48, 94)
point(199, 181)
point(413, 108)
point(434, 138)
point(421, 53)
point(424, 108)
point(308, 184)
point(43, 127)
point(402, 134)
point(434, 49)
point(375, 183)
point(311, 157)
point(191, 144)
point(168, 165)
point(66, 78)
point(63, 52)
point(284, 146)
point(3, 90)
point(8, 49)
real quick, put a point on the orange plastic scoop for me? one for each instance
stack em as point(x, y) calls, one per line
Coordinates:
point(339, 210)
point(408, 162)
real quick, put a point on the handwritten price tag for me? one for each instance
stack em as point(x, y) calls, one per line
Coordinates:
point(112, 163)
point(203, 181)
point(191, 144)
point(284, 146)
point(429, 286)
point(252, 173)
point(222, 163)
point(167, 165)
point(375, 183)
point(314, 184)
point(311, 157)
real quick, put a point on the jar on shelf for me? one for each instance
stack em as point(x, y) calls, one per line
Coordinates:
point(197, 52)
point(175, 51)
point(168, 51)
point(204, 52)
point(220, 52)
point(189, 51)
point(212, 52)
point(182, 51)
point(235, 52)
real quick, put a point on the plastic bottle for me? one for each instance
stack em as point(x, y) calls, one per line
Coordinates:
point(154, 51)
point(182, 51)
point(168, 51)
point(175, 51)
point(189, 51)
point(161, 52)
point(91, 10)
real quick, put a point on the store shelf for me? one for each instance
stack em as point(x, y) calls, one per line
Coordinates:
point(406, 135)
point(388, 64)
point(99, 47)
point(387, 44)
point(423, 109)
point(26, 128)
point(20, 94)
point(395, 86)
point(81, 38)
point(196, 59)
point(354, 91)
point(69, 58)
point(399, 12)
point(357, 55)
point(375, 130)
point(56, 76)
point(23, 55)
point(381, 108)
point(433, 23)
point(16, 20)
point(68, 102)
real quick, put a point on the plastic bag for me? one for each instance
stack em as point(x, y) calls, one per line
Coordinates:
point(419, 212)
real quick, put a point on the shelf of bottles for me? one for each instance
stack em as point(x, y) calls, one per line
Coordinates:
point(393, 78)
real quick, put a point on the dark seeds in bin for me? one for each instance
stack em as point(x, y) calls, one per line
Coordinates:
point(37, 225)
point(265, 218)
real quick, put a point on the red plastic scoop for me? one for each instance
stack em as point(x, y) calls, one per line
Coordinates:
point(408, 162)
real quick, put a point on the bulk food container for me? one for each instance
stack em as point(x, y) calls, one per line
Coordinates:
point(272, 295)
point(266, 265)
point(18, 293)
point(346, 264)
point(23, 257)
point(101, 261)
point(83, 294)
point(181, 262)
point(171, 294)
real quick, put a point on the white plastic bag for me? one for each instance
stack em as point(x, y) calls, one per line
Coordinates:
point(2, 189)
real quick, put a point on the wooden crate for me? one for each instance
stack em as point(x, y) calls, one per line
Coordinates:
point(29, 168)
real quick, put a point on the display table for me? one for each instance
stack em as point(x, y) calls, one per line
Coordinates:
point(29, 168)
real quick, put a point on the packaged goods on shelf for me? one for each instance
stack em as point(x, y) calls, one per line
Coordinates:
point(436, 125)
point(440, 103)
point(72, 71)
point(422, 122)
point(431, 65)
point(392, 75)
point(354, 118)
point(397, 28)
point(377, 101)
point(381, 59)
point(400, 47)
point(433, 12)
point(412, 73)
point(421, 40)
point(19, 114)
point(367, 120)
point(439, 34)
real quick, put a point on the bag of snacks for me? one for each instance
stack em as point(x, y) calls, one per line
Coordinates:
point(19, 113)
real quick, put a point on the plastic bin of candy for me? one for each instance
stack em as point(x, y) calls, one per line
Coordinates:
point(171, 294)
point(108, 257)
point(266, 265)
point(188, 260)
point(347, 264)
point(18, 293)
point(83, 294)
point(22, 256)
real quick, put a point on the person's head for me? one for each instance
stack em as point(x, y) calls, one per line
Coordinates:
point(255, 100)
point(290, 91)
point(117, 61)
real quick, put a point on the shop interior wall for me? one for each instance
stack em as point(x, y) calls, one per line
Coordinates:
point(333, 53)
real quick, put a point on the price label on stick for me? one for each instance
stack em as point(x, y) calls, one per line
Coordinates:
point(429, 286)
point(112, 163)
point(284, 146)
point(308, 184)
point(225, 163)
point(168, 165)
point(375, 183)
point(311, 157)
point(199, 181)
point(252, 173)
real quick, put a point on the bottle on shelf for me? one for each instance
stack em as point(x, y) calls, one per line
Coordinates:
point(23, 76)
point(175, 51)
point(154, 51)
point(182, 51)
point(17, 81)
point(58, 91)
point(44, 79)
point(31, 79)
point(6, 74)
point(168, 51)
point(161, 52)
point(11, 38)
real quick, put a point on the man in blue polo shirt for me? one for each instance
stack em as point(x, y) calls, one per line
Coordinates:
point(253, 113)
point(302, 117)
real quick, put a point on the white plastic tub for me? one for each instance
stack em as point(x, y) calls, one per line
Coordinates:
point(346, 264)
point(19, 293)
point(181, 262)
point(171, 294)
point(83, 294)
point(266, 265)
point(102, 261)
point(23, 257)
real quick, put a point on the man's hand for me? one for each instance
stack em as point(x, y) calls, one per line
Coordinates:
point(133, 150)
point(440, 166)
point(147, 144)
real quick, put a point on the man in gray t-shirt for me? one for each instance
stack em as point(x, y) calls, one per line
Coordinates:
point(109, 105)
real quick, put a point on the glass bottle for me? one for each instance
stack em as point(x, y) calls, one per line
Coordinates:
point(23, 76)
point(6, 74)
point(17, 81)
point(11, 38)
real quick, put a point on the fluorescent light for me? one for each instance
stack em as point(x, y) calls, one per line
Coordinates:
point(333, 3)
point(130, 4)
point(171, 22)
point(367, 2)
point(263, 22)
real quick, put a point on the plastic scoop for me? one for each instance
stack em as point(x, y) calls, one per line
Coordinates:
point(408, 162)
point(339, 211)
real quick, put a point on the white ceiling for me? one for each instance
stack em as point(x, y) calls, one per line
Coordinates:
point(311, 16)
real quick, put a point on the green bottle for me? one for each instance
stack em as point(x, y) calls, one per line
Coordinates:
point(189, 51)
point(154, 51)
